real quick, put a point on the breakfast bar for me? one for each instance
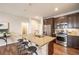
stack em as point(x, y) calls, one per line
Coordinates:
point(42, 42)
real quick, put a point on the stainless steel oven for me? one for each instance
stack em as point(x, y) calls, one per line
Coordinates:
point(61, 39)
point(61, 34)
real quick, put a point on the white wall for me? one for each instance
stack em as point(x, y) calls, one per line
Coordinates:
point(15, 22)
point(36, 25)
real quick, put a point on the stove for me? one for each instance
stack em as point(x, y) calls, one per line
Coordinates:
point(61, 39)
point(61, 34)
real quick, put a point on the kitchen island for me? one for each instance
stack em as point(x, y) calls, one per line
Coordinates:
point(44, 43)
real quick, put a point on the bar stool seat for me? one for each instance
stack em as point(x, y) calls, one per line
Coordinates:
point(21, 45)
point(32, 49)
point(24, 48)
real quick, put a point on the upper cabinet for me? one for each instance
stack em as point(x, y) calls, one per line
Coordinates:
point(77, 20)
point(48, 21)
point(60, 20)
point(71, 20)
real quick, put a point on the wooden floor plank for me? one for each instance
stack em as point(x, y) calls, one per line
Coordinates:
point(61, 50)
point(11, 49)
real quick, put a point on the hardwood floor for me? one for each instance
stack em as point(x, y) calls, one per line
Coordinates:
point(60, 50)
point(11, 49)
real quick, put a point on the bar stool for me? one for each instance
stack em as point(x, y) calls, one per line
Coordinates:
point(21, 46)
point(32, 49)
point(25, 49)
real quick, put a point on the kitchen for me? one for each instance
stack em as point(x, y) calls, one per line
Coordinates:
point(65, 29)
point(45, 35)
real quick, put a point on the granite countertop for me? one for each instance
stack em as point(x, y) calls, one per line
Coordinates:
point(40, 41)
point(73, 34)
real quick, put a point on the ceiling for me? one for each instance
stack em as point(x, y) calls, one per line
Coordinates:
point(37, 9)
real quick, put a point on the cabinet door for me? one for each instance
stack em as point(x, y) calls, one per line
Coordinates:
point(51, 48)
point(73, 21)
point(55, 23)
point(77, 42)
point(69, 41)
point(69, 21)
point(73, 41)
point(60, 20)
point(48, 21)
point(77, 20)
point(63, 19)
point(44, 21)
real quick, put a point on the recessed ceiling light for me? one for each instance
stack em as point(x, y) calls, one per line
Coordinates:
point(56, 9)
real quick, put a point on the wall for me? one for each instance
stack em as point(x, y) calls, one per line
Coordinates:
point(36, 25)
point(16, 23)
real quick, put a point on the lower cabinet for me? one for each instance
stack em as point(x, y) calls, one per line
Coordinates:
point(73, 41)
point(51, 47)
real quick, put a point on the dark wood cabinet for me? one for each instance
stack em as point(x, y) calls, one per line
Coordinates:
point(51, 48)
point(72, 20)
point(55, 22)
point(73, 41)
point(50, 21)
point(60, 20)
point(77, 20)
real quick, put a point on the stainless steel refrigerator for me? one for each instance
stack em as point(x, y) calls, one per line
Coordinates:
point(47, 30)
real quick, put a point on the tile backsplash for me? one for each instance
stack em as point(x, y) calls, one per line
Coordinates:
point(74, 32)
